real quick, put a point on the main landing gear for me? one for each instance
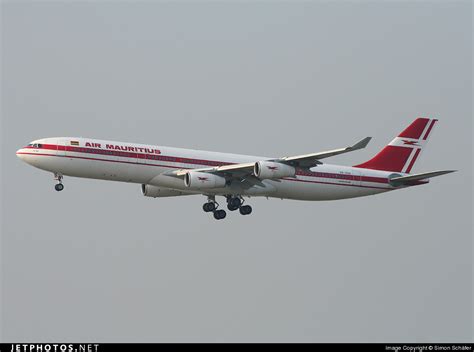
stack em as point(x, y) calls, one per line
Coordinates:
point(233, 203)
point(245, 210)
point(219, 214)
point(59, 186)
point(211, 206)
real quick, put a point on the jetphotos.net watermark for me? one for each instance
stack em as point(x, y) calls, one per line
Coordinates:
point(57, 347)
point(422, 348)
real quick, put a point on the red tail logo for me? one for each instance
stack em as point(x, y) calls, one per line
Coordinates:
point(402, 152)
point(410, 142)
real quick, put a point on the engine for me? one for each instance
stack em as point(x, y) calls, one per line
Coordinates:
point(268, 169)
point(155, 191)
point(201, 180)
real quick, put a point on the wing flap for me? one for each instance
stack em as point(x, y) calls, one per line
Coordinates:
point(182, 172)
point(245, 168)
point(232, 169)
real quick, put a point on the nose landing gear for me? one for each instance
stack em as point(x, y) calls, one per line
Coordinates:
point(59, 186)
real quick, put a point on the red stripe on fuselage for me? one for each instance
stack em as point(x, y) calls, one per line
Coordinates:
point(97, 159)
point(180, 160)
point(175, 167)
point(131, 155)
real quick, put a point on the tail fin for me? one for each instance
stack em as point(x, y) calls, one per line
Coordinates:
point(401, 154)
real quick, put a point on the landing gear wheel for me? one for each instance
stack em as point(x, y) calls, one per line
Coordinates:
point(59, 187)
point(208, 207)
point(234, 202)
point(219, 214)
point(245, 210)
point(231, 207)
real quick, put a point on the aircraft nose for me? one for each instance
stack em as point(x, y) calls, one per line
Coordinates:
point(18, 153)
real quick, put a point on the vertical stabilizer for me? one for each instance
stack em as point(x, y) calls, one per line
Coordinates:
point(401, 153)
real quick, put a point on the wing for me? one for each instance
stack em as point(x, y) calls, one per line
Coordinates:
point(311, 160)
point(245, 170)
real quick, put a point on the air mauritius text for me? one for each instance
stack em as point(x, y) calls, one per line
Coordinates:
point(125, 148)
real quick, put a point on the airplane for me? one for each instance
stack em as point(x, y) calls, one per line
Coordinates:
point(169, 172)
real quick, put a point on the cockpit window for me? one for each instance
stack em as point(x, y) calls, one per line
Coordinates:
point(40, 146)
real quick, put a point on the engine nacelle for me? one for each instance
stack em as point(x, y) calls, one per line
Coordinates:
point(155, 191)
point(201, 180)
point(268, 169)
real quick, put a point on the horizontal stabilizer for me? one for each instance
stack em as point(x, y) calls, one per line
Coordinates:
point(411, 179)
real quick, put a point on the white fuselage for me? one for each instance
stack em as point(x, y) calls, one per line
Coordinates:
point(152, 165)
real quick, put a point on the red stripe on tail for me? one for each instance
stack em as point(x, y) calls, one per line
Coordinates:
point(429, 129)
point(412, 162)
point(415, 129)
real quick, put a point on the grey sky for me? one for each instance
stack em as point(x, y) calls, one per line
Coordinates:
point(99, 262)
